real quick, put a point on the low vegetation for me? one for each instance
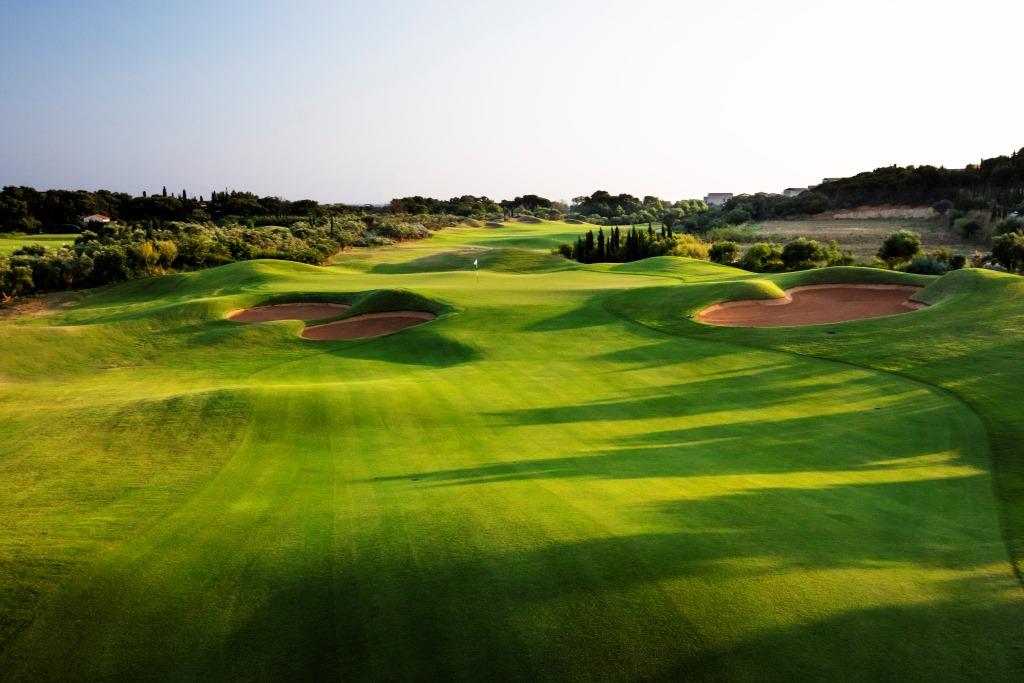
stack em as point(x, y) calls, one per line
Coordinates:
point(113, 252)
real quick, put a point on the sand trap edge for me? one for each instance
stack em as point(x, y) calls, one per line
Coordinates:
point(910, 305)
point(313, 310)
point(367, 325)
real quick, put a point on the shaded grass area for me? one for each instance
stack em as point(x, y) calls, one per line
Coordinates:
point(535, 488)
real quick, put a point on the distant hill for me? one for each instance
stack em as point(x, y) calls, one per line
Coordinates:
point(994, 183)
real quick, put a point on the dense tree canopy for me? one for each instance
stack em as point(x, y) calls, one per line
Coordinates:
point(994, 183)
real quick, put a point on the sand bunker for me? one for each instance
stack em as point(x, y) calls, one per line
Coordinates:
point(367, 325)
point(309, 311)
point(814, 305)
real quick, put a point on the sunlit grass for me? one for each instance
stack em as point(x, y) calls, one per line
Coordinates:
point(532, 486)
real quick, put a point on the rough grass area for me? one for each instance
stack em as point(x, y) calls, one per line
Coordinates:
point(566, 479)
point(864, 236)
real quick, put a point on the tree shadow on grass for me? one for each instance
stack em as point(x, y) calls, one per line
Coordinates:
point(775, 386)
point(666, 352)
point(947, 640)
point(743, 448)
point(843, 582)
point(420, 346)
point(601, 605)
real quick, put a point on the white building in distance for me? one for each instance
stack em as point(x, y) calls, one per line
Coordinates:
point(793, 191)
point(717, 198)
point(95, 218)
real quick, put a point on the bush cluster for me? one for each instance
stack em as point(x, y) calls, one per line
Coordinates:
point(635, 244)
point(114, 252)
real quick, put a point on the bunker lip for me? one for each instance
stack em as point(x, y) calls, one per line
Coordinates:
point(367, 325)
point(814, 305)
point(292, 311)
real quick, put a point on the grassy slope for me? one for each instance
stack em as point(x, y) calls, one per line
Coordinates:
point(10, 242)
point(965, 343)
point(533, 487)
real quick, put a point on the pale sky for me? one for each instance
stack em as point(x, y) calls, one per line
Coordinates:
point(364, 101)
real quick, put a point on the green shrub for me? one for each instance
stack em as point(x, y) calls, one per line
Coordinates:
point(926, 264)
point(1010, 224)
point(802, 254)
point(900, 247)
point(689, 246)
point(967, 227)
point(1008, 251)
point(763, 257)
point(723, 252)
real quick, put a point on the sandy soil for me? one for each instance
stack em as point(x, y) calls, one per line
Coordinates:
point(310, 311)
point(38, 305)
point(367, 325)
point(814, 305)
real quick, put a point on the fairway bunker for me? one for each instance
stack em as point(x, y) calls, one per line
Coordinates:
point(367, 325)
point(814, 305)
point(295, 311)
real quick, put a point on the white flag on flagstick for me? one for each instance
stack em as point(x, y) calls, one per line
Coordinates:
point(476, 263)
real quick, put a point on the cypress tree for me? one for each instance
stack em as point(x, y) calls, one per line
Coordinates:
point(165, 190)
point(600, 245)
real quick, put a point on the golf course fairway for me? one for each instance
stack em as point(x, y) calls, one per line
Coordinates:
point(563, 476)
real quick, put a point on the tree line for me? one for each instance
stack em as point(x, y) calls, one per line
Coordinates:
point(116, 251)
point(25, 209)
point(636, 244)
point(995, 185)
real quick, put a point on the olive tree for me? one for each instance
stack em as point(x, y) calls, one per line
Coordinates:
point(900, 247)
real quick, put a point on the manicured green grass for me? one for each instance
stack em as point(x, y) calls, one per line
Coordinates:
point(562, 477)
point(9, 242)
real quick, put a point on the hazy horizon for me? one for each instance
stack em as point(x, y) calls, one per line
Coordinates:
point(360, 104)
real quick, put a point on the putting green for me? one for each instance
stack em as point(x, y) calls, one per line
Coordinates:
point(561, 477)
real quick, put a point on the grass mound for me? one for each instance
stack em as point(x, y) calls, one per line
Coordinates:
point(507, 260)
point(523, 261)
point(385, 300)
point(686, 269)
point(472, 223)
